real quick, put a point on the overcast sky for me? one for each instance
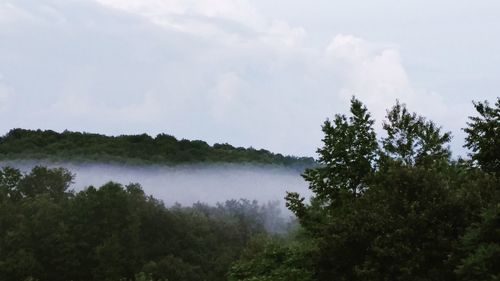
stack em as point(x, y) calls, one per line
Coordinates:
point(252, 73)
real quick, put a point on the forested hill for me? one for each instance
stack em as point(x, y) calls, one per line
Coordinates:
point(133, 149)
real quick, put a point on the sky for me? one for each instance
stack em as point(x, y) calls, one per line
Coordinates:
point(255, 73)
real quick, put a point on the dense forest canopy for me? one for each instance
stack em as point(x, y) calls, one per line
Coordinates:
point(133, 149)
point(116, 232)
point(391, 208)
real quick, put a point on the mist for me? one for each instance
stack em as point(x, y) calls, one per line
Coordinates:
point(188, 184)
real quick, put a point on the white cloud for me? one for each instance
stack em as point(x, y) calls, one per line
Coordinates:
point(239, 10)
point(192, 17)
point(225, 92)
point(376, 74)
point(229, 21)
point(347, 47)
point(280, 33)
point(11, 14)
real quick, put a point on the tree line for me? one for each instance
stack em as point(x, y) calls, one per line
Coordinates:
point(133, 149)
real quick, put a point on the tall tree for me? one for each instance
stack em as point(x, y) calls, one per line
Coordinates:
point(413, 140)
point(483, 136)
point(345, 159)
point(399, 214)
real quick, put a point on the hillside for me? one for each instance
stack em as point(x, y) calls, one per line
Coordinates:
point(133, 149)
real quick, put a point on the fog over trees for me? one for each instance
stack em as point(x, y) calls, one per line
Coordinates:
point(186, 184)
point(390, 207)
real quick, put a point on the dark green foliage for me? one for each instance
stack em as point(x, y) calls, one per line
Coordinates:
point(275, 259)
point(480, 248)
point(418, 215)
point(411, 223)
point(42, 181)
point(346, 158)
point(133, 149)
point(413, 140)
point(115, 232)
point(483, 136)
point(9, 179)
point(345, 162)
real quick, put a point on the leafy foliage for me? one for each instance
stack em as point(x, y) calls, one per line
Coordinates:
point(484, 136)
point(481, 248)
point(133, 149)
point(274, 259)
point(347, 156)
point(413, 140)
point(115, 232)
point(418, 213)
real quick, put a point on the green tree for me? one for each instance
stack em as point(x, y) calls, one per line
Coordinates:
point(483, 136)
point(348, 154)
point(413, 140)
point(44, 181)
point(345, 161)
point(481, 248)
point(411, 221)
point(404, 221)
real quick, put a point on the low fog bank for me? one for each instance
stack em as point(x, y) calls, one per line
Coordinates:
point(188, 184)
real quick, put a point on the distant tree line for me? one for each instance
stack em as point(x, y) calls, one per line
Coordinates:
point(394, 208)
point(116, 232)
point(133, 149)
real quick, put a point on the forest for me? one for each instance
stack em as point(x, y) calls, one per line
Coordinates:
point(396, 207)
point(133, 149)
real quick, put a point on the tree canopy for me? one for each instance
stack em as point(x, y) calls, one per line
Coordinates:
point(133, 149)
point(116, 232)
point(483, 136)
